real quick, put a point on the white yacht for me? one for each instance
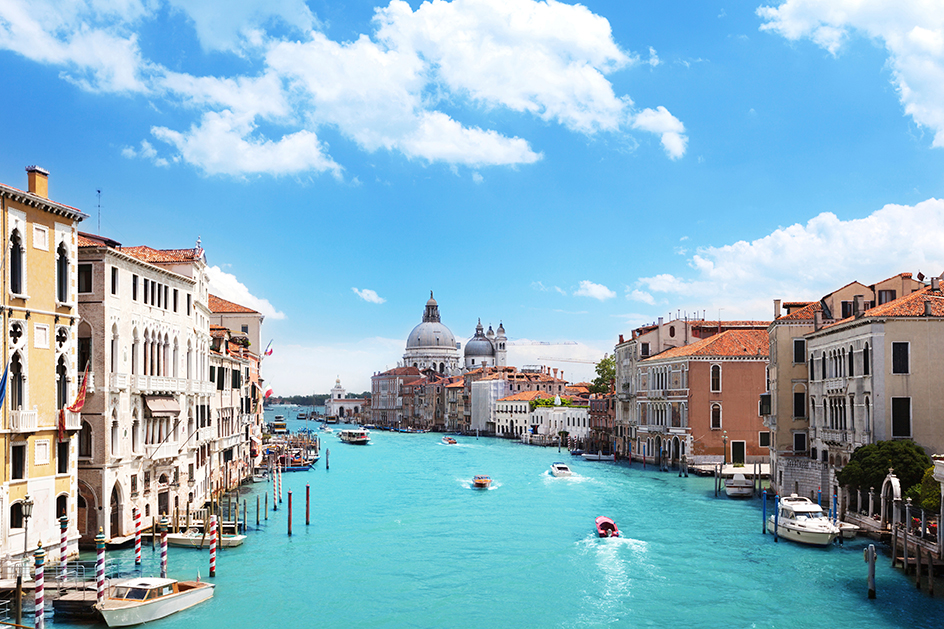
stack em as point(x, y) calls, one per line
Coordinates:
point(802, 520)
point(560, 469)
point(739, 487)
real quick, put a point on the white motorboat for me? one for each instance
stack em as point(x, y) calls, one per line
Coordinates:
point(739, 487)
point(136, 601)
point(195, 538)
point(802, 520)
point(260, 475)
point(560, 469)
point(847, 530)
point(599, 456)
point(356, 436)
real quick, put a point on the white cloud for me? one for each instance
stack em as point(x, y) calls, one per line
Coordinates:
point(653, 58)
point(477, 177)
point(643, 296)
point(369, 295)
point(912, 32)
point(806, 261)
point(670, 129)
point(383, 91)
point(225, 285)
point(597, 291)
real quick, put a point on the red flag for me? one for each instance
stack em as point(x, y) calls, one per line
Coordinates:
point(80, 397)
point(62, 425)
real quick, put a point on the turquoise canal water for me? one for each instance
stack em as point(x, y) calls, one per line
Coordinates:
point(398, 538)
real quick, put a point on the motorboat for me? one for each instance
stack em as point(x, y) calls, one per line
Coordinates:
point(141, 600)
point(195, 538)
point(847, 530)
point(599, 456)
point(802, 520)
point(606, 527)
point(739, 487)
point(576, 453)
point(449, 441)
point(260, 475)
point(560, 469)
point(481, 482)
point(278, 426)
point(356, 436)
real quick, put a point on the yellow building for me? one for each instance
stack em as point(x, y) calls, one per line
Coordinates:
point(39, 286)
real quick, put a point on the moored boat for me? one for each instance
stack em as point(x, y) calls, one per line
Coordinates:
point(802, 520)
point(560, 469)
point(195, 538)
point(606, 527)
point(739, 487)
point(141, 600)
point(481, 482)
point(278, 426)
point(599, 456)
point(356, 436)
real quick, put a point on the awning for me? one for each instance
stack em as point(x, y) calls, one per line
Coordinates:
point(162, 406)
point(254, 438)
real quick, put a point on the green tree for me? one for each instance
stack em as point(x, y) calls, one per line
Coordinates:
point(869, 465)
point(606, 372)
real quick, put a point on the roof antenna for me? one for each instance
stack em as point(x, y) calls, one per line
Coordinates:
point(99, 191)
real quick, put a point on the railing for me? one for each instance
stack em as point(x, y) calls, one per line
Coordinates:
point(655, 393)
point(91, 382)
point(24, 421)
point(835, 384)
point(73, 421)
point(162, 451)
point(119, 381)
point(835, 436)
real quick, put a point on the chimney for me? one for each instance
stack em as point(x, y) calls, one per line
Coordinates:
point(621, 339)
point(927, 309)
point(817, 319)
point(562, 374)
point(858, 306)
point(555, 373)
point(776, 309)
point(38, 179)
point(935, 283)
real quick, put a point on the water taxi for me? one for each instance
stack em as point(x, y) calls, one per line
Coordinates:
point(560, 469)
point(278, 426)
point(481, 482)
point(142, 600)
point(739, 487)
point(606, 527)
point(356, 436)
point(802, 520)
point(449, 441)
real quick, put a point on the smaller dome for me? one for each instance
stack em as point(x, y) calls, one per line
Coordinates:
point(479, 345)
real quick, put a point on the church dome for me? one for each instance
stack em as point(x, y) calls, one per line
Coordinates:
point(430, 334)
point(479, 345)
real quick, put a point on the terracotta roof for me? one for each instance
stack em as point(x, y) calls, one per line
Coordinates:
point(157, 256)
point(527, 396)
point(908, 306)
point(796, 304)
point(401, 371)
point(730, 343)
point(455, 385)
point(218, 304)
point(803, 314)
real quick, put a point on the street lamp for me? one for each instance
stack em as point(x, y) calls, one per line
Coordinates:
point(27, 510)
point(724, 454)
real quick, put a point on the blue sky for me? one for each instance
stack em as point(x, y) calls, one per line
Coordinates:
point(573, 171)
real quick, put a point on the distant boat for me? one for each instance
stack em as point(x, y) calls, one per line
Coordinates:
point(560, 469)
point(137, 601)
point(599, 456)
point(481, 482)
point(355, 436)
point(195, 538)
point(278, 426)
point(739, 487)
point(606, 527)
point(449, 441)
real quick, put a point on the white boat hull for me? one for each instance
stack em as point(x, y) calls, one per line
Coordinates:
point(738, 490)
point(200, 541)
point(597, 457)
point(813, 537)
point(125, 615)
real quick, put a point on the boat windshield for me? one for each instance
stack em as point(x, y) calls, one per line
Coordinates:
point(809, 515)
point(132, 594)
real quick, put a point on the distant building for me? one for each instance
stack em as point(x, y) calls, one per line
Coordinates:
point(431, 345)
point(340, 406)
point(486, 349)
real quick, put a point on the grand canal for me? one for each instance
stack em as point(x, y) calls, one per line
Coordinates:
point(399, 539)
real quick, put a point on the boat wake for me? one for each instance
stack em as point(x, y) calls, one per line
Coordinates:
point(617, 560)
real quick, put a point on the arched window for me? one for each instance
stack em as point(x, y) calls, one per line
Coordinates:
point(85, 440)
point(866, 361)
point(16, 515)
point(62, 273)
point(716, 378)
point(114, 349)
point(16, 383)
point(84, 346)
point(851, 363)
point(62, 505)
point(716, 417)
point(62, 383)
point(16, 263)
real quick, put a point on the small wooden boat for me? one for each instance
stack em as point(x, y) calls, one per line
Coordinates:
point(606, 527)
point(739, 487)
point(136, 601)
point(560, 469)
point(481, 482)
point(449, 441)
point(195, 538)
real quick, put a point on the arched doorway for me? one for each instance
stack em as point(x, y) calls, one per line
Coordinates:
point(87, 514)
point(676, 451)
point(114, 509)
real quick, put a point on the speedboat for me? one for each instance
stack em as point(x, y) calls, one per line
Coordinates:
point(606, 527)
point(449, 441)
point(142, 600)
point(599, 456)
point(195, 538)
point(560, 469)
point(481, 482)
point(802, 520)
point(739, 487)
point(356, 436)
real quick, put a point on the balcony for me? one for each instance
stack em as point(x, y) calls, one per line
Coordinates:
point(24, 421)
point(835, 384)
point(119, 381)
point(830, 435)
point(73, 420)
point(655, 394)
point(91, 382)
point(162, 451)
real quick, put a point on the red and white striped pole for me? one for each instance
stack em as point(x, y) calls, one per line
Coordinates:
point(212, 545)
point(280, 481)
point(40, 556)
point(163, 546)
point(63, 544)
point(100, 565)
point(137, 536)
point(275, 489)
